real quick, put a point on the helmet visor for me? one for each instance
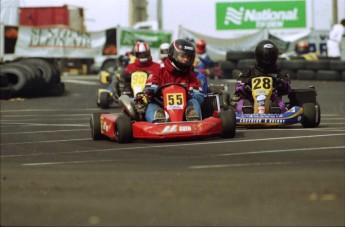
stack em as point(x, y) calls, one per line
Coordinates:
point(184, 59)
point(144, 54)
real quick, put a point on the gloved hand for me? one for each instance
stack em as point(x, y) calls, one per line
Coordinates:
point(198, 96)
point(247, 88)
point(150, 94)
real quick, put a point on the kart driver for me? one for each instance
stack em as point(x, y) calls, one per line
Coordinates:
point(204, 60)
point(178, 68)
point(143, 62)
point(163, 53)
point(266, 54)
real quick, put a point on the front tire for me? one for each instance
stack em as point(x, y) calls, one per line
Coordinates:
point(309, 118)
point(123, 129)
point(228, 119)
point(95, 125)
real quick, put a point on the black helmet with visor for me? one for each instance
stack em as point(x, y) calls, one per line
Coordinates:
point(182, 54)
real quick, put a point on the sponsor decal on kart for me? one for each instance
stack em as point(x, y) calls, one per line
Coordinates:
point(260, 120)
point(175, 128)
point(105, 127)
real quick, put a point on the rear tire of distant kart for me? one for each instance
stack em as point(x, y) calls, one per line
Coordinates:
point(228, 119)
point(123, 129)
point(104, 100)
point(226, 99)
point(318, 112)
point(309, 115)
point(95, 125)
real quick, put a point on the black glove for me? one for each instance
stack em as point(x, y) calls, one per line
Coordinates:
point(247, 88)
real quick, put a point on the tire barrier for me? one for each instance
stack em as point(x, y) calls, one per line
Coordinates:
point(300, 69)
point(305, 74)
point(29, 78)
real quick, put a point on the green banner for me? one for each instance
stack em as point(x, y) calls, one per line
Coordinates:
point(255, 15)
point(154, 39)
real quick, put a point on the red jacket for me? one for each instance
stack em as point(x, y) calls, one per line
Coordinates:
point(168, 74)
point(148, 66)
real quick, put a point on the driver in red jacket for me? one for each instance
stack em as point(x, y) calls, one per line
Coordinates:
point(178, 68)
point(143, 62)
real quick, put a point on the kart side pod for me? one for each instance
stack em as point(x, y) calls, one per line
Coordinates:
point(127, 105)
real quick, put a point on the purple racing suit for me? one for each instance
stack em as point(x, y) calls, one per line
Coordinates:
point(281, 86)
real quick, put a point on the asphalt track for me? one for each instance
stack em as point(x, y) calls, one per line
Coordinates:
point(54, 174)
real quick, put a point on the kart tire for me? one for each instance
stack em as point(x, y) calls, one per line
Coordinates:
point(123, 129)
point(318, 116)
point(104, 100)
point(309, 115)
point(95, 125)
point(225, 99)
point(228, 119)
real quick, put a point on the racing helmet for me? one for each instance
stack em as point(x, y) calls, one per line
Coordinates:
point(163, 50)
point(266, 54)
point(200, 46)
point(182, 54)
point(302, 47)
point(142, 51)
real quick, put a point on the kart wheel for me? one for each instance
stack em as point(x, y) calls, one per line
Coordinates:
point(104, 100)
point(318, 114)
point(226, 99)
point(228, 119)
point(95, 125)
point(309, 118)
point(123, 129)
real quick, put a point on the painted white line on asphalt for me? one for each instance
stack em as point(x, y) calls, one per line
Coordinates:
point(40, 124)
point(265, 164)
point(60, 163)
point(33, 132)
point(82, 82)
point(45, 141)
point(165, 145)
point(44, 115)
point(284, 150)
point(47, 110)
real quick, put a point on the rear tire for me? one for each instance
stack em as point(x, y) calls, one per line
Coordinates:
point(123, 129)
point(318, 114)
point(95, 125)
point(228, 119)
point(309, 115)
point(104, 100)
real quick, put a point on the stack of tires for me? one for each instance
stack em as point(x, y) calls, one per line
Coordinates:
point(323, 69)
point(299, 68)
point(29, 78)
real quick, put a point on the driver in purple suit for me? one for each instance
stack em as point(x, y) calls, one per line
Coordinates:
point(266, 54)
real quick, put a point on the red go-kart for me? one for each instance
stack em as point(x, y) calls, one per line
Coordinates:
point(131, 124)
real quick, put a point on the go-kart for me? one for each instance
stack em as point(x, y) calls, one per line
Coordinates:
point(131, 124)
point(105, 97)
point(302, 106)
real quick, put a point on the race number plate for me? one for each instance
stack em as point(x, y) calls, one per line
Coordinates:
point(262, 91)
point(138, 81)
point(175, 101)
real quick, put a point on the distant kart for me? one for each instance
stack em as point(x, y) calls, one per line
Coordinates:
point(130, 125)
point(105, 98)
point(302, 107)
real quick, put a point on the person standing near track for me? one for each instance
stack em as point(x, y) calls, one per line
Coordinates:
point(335, 36)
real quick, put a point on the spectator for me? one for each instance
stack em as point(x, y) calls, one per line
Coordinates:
point(333, 43)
